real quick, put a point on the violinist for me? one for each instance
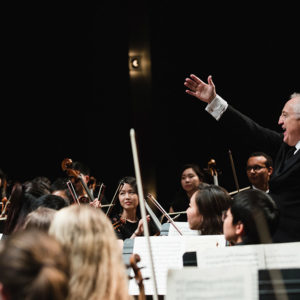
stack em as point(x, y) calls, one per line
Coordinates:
point(79, 189)
point(88, 181)
point(191, 176)
point(126, 214)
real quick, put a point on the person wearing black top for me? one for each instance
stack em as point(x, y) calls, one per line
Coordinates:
point(191, 177)
point(252, 218)
point(127, 222)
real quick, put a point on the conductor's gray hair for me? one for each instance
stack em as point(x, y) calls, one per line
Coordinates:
point(297, 104)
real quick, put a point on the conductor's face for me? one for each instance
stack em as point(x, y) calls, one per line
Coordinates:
point(290, 122)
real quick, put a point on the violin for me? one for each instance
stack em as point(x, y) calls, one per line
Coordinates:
point(119, 223)
point(66, 166)
point(134, 259)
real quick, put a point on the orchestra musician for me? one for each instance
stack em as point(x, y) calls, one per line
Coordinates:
point(126, 213)
point(83, 183)
point(259, 169)
point(252, 218)
point(97, 268)
point(206, 207)
point(284, 182)
point(84, 170)
point(191, 176)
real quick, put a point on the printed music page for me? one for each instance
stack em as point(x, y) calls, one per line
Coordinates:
point(166, 252)
point(231, 256)
point(282, 255)
point(195, 243)
point(251, 256)
point(210, 283)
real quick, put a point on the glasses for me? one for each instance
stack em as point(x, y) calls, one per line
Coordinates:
point(255, 168)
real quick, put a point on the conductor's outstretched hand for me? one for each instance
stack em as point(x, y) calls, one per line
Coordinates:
point(206, 92)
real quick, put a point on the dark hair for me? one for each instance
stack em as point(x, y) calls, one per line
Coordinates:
point(33, 266)
point(40, 218)
point(269, 160)
point(259, 214)
point(131, 181)
point(52, 201)
point(60, 184)
point(196, 169)
point(38, 186)
point(117, 209)
point(211, 201)
point(81, 167)
point(20, 205)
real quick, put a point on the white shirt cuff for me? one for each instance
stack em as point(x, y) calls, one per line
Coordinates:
point(217, 107)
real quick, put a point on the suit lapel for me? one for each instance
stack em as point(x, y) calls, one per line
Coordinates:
point(283, 165)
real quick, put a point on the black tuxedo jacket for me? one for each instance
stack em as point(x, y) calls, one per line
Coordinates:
point(285, 180)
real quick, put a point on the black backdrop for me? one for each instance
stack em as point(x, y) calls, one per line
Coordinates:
point(66, 92)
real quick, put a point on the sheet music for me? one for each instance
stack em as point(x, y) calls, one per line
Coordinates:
point(210, 283)
point(167, 253)
point(192, 243)
point(183, 227)
point(252, 255)
point(282, 255)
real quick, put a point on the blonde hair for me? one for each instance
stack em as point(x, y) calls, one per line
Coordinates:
point(97, 268)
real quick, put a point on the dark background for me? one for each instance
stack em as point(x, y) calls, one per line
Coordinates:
point(67, 92)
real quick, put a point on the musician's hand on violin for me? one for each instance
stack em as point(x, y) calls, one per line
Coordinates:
point(96, 203)
point(206, 92)
point(140, 229)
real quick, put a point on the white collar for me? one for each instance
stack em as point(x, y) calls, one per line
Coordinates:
point(255, 188)
point(297, 146)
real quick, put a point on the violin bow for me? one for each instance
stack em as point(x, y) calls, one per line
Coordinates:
point(142, 207)
point(165, 214)
point(72, 192)
point(101, 192)
point(153, 217)
point(233, 171)
point(112, 203)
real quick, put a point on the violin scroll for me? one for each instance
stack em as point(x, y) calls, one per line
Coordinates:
point(66, 166)
point(134, 259)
